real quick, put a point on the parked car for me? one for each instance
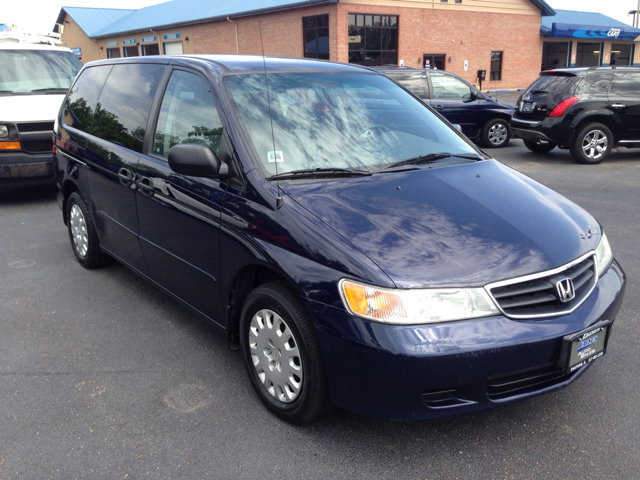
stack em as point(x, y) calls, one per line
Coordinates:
point(359, 250)
point(586, 110)
point(482, 118)
point(33, 81)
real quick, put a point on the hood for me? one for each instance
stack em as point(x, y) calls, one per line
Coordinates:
point(500, 102)
point(30, 108)
point(459, 225)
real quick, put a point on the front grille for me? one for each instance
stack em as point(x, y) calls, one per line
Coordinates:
point(35, 127)
point(525, 382)
point(37, 146)
point(538, 296)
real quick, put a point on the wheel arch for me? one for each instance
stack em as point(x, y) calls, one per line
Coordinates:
point(245, 280)
point(606, 120)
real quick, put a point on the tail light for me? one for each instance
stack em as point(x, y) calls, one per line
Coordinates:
point(562, 107)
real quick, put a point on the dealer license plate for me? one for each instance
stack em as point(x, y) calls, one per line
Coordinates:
point(586, 346)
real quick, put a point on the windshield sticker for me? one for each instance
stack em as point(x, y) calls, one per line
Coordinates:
point(275, 157)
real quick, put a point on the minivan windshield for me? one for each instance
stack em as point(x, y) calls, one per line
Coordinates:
point(37, 71)
point(337, 121)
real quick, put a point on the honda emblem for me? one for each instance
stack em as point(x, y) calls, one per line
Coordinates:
point(566, 292)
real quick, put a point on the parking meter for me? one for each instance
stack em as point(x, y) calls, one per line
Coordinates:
point(481, 77)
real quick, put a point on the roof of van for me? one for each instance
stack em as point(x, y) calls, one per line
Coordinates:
point(31, 46)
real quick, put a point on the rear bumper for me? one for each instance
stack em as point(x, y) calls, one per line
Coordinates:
point(555, 130)
point(23, 169)
point(425, 372)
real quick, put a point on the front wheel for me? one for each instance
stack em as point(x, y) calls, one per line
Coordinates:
point(593, 144)
point(282, 354)
point(539, 147)
point(496, 133)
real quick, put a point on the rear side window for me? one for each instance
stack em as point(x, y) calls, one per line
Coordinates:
point(82, 100)
point(595, 84)
point(626, 84)
point(552, 84)
point(125, 104)
point(416, 82)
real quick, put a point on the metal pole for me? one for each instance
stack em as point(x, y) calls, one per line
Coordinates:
point(635, 17)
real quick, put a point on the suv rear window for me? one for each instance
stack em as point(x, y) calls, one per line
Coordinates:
point(552, 84)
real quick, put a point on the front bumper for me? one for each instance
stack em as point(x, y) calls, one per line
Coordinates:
point(424, 372)
point(22, 168)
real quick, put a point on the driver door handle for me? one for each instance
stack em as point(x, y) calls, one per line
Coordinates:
point(145, 186)
point(617, 105)
point(126, 176)
point(439, 106)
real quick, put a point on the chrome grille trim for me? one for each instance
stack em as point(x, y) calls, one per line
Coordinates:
point(588, 272)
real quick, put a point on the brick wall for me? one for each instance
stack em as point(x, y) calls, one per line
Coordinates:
point(281, 33)
point(461, 35)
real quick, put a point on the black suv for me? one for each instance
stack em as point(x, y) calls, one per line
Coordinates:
point(587, 110)
point(482, 118)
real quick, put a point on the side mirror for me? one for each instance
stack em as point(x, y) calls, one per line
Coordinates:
point(457, 127)
point(196, 160)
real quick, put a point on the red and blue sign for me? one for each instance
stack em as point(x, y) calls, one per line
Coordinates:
point(595, 32)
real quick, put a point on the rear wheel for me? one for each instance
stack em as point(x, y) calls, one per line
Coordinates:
point(282, 354)
point(82, 233)
point(496, 133)
point(539, 147)
point(593, 144)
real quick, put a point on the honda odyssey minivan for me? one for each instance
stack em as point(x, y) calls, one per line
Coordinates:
point(356, 248)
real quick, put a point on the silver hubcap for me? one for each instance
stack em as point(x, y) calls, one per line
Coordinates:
point(594, 144)
point(275, 355)
point(498, 134)
point(79, 231)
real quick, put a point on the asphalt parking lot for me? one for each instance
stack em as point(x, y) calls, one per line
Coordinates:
point(103, 376)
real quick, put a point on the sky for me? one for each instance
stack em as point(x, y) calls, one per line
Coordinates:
point(39, 16)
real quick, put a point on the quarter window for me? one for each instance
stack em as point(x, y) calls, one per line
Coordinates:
point(496, 66)
point(315, 32)
point(187, 115)
point(373, 39)
point(125, 103)
point(416, 82)
point(82, 100)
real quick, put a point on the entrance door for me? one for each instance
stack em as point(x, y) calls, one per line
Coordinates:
point(433, 60)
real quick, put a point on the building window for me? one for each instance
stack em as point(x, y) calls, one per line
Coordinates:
point(315, 34)
point(620, 54)
point(496, 66)
point(151, 49)
point(131, 51)
point(373, 39)
point(555, 55)
point(588, 55)
point(113, 52)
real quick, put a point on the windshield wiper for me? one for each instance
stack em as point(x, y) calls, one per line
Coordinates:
point(320, 173)
point(52, 89)
point(432, 157)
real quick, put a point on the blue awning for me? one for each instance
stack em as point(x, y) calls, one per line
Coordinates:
point(595, 32)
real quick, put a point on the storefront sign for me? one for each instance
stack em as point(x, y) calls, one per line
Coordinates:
point(130, 41)
point(148, 39)
point(112, 44)
point(594, 32)
point(355, 39)
point(77, 51)
point(171, 36)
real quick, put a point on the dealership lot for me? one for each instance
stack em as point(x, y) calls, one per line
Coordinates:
point(103, 376)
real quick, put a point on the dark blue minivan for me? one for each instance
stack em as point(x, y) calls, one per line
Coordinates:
point(357, 249)
point(482, 118)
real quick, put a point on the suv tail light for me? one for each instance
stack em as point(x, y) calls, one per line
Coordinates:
point(562, 107)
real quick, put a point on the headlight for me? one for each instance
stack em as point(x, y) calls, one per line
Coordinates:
point(409, 307)
point(4, 131)
point(604, 256)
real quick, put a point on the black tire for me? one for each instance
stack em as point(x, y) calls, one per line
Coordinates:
point(262, 348)
point(593, 144)
point(82, 233)
point(496, 133)
point(536, 147)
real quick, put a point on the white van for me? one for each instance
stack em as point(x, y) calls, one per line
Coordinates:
point(33, 82)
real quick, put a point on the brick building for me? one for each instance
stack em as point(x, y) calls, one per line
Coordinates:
point(463, 36)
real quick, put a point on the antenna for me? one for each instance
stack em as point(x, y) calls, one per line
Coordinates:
point(279, 200)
